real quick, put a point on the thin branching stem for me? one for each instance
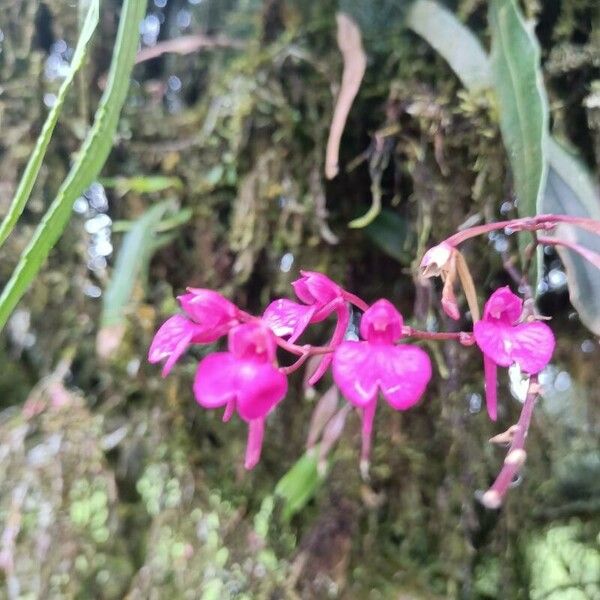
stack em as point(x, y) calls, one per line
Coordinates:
point(516, 455)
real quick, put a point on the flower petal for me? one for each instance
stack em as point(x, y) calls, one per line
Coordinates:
point(490, 371)
point(494, 340)
point(530, 345)
point(404, 373)
point(533, 346)
point(401, 372)
point(256, 432)
point(287, 318)
point(259, 387)
point(213, 314)
point(214, 384)
point(316, 288)
point(343, 318)
point(354, 374)
point(171, 341)
point(207, 306)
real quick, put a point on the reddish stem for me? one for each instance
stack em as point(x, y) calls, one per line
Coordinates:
point(306, 351)
point(524, 224)
point(464, 337)
point(301, 350)
point(296, 365)
point(516, 454)
point(356, 301)
point(589, 255)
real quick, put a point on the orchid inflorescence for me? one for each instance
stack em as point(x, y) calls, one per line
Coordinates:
point(247, 380)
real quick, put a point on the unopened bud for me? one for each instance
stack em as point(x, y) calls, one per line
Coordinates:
point(451, 308)
point(491, 499)
point(516, 457)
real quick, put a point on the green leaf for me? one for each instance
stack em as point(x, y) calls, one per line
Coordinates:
point(571, 190)
point(453, 41)
point(176, 220)
point(391, 234)
point(142, 184)
point(90, 160)
point(569, 187)
point(523, 106)
point(514, 72)
point(32, 169)
point(299, 485)
point(136, 250)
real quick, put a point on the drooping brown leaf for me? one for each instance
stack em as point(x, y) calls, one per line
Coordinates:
point(349, 42)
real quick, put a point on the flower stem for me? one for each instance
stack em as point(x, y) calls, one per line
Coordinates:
point(516, 454)
point(464, 337)
point(524, 224)
point(302, 350)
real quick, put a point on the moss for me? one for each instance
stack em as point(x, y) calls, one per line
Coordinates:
point(565, 563)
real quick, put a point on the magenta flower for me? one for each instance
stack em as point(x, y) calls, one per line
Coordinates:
point(504, 341)
point(210, 316)
point(243, 380)
point(321, 297)
point(363, 369)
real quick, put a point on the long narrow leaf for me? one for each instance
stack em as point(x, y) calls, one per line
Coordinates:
point(299, 485)
point(35, 161)
point(516, 71)
point(453, 40)
point(523, 109)
point(90, 160)
point(134, 254)
point(569, 188)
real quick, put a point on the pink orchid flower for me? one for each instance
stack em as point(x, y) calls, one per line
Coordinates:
point(504, 341)
point(363, 369)
point(209, 316)
point(321, 297)
point(244, 380)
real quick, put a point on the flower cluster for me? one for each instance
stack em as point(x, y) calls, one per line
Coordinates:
point(248, 381)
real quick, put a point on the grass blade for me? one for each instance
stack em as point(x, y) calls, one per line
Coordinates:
point(571, 190)
point(32, 169)
point(90, 160)
point(516, 72)
point(453, 41)
point(134, 254)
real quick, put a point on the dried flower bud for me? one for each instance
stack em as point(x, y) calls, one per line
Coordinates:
point(435, 260)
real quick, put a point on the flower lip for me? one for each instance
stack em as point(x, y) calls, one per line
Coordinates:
point(381, 323)
point(435, 260)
